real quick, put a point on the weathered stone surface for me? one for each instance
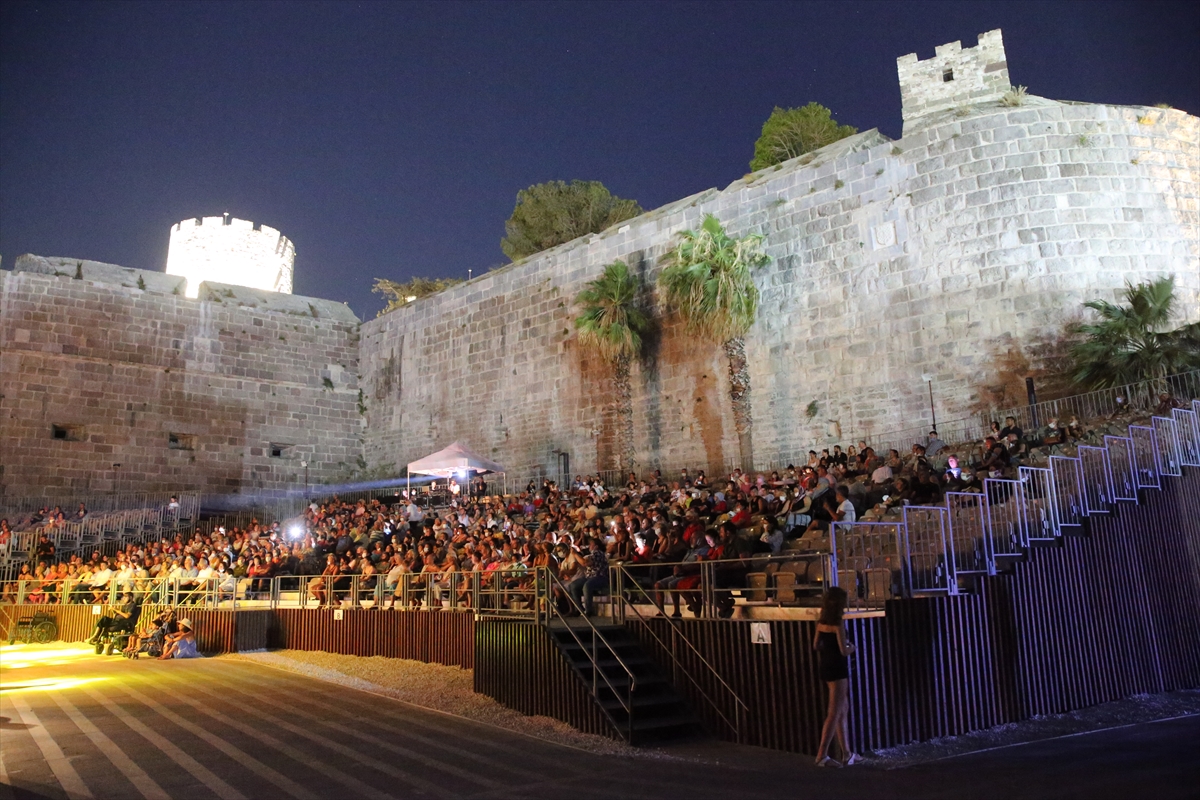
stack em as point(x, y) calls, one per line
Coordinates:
point(125, 368)
point(890, 261)
point(128, 277)
point(980, 231)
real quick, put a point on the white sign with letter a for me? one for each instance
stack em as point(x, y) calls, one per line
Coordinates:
point(760, 633)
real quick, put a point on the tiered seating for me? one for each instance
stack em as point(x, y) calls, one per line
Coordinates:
point(98, 529)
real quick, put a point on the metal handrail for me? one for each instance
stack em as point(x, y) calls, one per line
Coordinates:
point(553, 581)
point(740, 705)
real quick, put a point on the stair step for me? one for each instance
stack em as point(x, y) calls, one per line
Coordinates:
point(644, 705)
point(644, 724)
point(658, 711)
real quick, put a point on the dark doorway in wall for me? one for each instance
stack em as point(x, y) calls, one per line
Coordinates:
point(68, 433)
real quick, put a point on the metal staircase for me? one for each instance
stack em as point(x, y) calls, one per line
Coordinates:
point(627, 687)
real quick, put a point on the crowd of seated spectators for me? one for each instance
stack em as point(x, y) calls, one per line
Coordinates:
point(664, 527)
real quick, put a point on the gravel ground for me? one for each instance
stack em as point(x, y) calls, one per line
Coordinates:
point(1134, 710)
point(435, 687)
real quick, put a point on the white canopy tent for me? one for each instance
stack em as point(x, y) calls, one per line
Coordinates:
point(451, 461)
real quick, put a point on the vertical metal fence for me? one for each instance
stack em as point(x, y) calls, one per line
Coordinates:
point(1098, 493)
point(929, 561)
point(1067, 484)
point(969, 535)
point(867, 562)
point(1145, 457)
point(1166, 440)
point(1038, 507)
point(1188, 423)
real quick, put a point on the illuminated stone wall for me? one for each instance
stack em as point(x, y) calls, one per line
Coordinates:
point(943, 253)
point(156, 391)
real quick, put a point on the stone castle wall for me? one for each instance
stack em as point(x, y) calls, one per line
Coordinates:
point(931, 255)
point(954, 78)
point(974, 237)
point(120, 368)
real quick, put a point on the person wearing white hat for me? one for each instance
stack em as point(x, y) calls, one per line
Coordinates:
point(181, 644)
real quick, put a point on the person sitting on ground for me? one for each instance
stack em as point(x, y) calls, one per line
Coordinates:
point(181, 644)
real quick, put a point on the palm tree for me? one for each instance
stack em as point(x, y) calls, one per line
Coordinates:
point(611, 324)
point(1131, 343)
point(708, 281)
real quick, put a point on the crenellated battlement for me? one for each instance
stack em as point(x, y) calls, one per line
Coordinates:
point(953, 77)
point(229, 250)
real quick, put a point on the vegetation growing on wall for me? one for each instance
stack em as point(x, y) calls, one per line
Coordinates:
point(553, 213)
point(708, 281)
point(1134, 342)
point(399, 294)
point(792, 132)
point(611, 324)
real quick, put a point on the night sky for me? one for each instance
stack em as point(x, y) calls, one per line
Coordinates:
point(389, 140)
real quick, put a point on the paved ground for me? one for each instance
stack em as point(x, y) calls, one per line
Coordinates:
point(77, 725)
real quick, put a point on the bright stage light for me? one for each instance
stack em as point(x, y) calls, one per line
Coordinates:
point(45, 684)
point(25, 656)
point(295, 531)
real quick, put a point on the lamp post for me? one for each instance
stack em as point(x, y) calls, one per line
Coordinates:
point(929, 380)
point(305, 465)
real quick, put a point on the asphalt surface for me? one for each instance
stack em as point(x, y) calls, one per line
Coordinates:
point(76, 725)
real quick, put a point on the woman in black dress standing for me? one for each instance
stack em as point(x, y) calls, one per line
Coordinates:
point(830, 643)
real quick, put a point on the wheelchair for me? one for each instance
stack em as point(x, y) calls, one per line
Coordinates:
point(40, 628)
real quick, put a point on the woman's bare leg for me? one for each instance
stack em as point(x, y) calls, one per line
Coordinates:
point(842, 725)
point(828, 729)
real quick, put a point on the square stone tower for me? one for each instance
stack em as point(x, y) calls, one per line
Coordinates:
point(953, 77)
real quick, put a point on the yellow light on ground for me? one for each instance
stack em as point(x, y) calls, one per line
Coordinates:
point(22, 656)
point(45, 684)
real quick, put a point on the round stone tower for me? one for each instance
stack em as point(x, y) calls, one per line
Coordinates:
point(228, 250)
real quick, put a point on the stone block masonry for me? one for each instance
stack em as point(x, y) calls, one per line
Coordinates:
point(975, 236)
point(182, 394)
point(935, 254)
point(954, 78)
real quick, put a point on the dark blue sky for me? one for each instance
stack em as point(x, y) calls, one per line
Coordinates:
point(390, 139)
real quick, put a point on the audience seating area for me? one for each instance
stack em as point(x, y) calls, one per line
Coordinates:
point(33, 530)
point(881, 525)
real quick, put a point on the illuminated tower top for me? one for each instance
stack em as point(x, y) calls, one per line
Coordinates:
point(228, 250)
